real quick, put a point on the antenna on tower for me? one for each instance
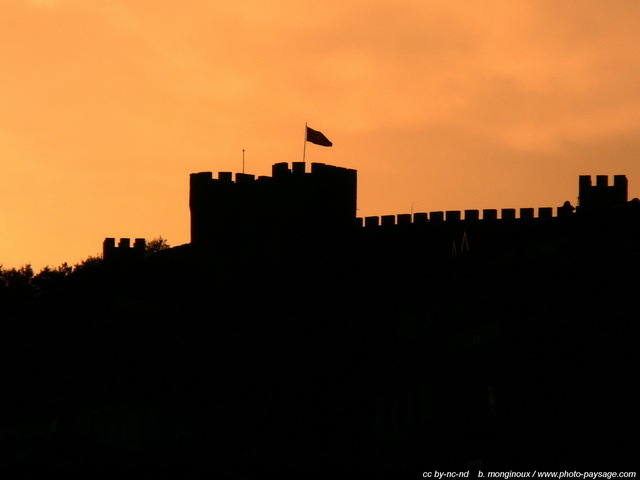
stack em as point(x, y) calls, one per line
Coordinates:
point(243, 160)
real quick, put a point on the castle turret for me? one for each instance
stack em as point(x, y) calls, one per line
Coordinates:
point(123, 251)
point(601, 196)
point(291, 200)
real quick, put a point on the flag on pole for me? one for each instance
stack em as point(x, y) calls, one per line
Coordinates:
point(318, 138)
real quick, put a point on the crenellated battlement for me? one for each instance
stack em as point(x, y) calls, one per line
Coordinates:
point(465, 217)
point(124, 251)
point(598, 197)
point(280, 172)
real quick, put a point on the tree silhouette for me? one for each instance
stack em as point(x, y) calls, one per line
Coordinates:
point(156, 245)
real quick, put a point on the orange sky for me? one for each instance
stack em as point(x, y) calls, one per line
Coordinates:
point(106, 107)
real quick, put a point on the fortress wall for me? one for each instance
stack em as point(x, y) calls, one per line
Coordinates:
point(598, 196)
point(441, 234)
point(453, 217)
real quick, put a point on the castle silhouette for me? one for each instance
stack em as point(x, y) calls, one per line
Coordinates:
point(294, 203)
point(470, 339)
point(291, 335)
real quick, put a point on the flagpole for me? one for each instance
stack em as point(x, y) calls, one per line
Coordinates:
point(304, 150)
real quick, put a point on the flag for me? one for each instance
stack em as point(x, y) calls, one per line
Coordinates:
point(318, 138)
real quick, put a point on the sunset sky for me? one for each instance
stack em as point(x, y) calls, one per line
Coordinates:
point(107, 107)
